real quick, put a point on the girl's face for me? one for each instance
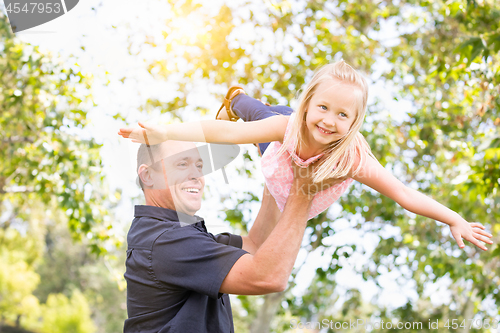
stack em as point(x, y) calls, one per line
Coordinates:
point(331, 112)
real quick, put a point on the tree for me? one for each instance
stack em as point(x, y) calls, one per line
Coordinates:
point(18, 278)
point(67, 266)
point(43, 157)
point(67, 315)
point(50, 174)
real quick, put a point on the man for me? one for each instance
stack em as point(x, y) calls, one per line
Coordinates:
point(178, 275)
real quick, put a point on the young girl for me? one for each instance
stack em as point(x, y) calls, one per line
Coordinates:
point(329, 116)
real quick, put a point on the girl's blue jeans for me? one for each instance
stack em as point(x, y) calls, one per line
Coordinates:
point(250, 109)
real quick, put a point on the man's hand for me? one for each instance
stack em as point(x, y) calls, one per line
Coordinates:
point(147, 133)
point(303, 180)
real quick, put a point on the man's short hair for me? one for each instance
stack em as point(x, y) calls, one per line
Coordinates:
point(149, 155)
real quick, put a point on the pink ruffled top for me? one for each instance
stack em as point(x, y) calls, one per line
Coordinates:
point(278, 174)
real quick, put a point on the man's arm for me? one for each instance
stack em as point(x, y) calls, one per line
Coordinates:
point(266, 220)
point(269, 268)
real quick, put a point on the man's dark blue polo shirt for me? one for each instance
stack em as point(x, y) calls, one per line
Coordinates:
point(174, 273)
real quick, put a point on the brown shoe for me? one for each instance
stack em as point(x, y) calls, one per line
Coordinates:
point(231, 93)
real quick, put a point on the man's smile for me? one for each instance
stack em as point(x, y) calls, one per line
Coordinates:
point(191, 190)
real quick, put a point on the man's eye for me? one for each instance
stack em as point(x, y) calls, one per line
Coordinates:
point(200, 166)
point(182, 164)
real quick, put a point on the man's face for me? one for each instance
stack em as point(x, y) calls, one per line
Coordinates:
point(181, 168)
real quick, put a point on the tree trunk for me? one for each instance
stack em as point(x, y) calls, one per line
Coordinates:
point(262, 323)
point(468, 311)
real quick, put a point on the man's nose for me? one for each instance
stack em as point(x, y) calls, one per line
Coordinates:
point(195, 172)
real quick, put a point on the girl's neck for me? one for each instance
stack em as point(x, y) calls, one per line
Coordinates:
point(309, 148)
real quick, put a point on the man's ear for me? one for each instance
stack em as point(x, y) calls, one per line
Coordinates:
point(145, 176)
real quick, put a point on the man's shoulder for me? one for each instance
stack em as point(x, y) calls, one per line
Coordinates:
point(185, 233)
point(145, 230)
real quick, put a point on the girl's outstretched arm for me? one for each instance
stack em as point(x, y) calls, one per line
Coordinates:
point(374, 175)
point(213, 131)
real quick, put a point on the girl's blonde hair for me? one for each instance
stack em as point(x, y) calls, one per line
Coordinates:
point(341, 154)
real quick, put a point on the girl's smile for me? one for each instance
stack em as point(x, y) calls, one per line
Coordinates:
point(324, 131)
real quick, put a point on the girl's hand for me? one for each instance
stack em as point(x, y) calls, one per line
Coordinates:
point(146, 133)
point(473, 232)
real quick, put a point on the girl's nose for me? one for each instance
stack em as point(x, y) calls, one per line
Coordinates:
point(329, 121)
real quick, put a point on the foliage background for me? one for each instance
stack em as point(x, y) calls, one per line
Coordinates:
point(433, 120)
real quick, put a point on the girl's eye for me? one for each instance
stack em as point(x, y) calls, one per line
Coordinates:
point(343, 115)
point(323, 107)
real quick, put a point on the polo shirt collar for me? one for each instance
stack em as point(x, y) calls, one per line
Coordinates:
point(166, 214)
